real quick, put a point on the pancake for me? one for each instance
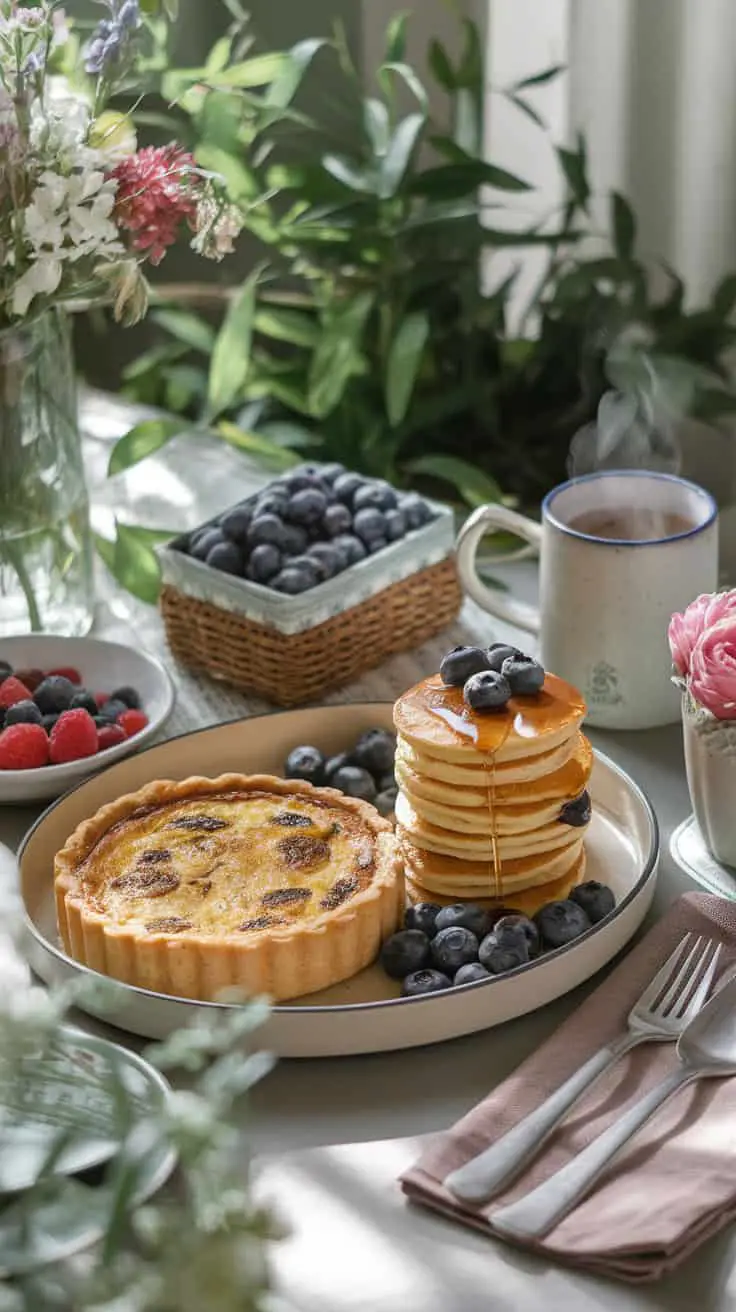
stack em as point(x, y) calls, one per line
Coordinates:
point(483, 808)
point(528, 901)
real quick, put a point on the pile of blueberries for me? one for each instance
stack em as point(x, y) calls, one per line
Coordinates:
point(489, 677)
point(442, 947)
point(307, 526)
point(365, 771)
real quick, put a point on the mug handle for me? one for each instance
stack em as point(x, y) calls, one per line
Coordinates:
point(470, 536)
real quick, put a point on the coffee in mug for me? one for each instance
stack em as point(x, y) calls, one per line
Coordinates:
point(620, 552)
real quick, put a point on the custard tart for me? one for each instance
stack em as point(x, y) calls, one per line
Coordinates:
point(253, 883)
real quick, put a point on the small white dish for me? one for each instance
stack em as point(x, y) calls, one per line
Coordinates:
point(102, 665)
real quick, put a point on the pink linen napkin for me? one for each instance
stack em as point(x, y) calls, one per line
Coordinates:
point(672, 1187)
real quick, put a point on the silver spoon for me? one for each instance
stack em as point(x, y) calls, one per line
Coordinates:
point(706, 1050)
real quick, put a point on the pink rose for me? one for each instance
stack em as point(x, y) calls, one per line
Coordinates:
point(712, 680)
point(685, 629)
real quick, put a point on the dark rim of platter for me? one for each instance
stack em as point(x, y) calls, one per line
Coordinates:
point(549, 957)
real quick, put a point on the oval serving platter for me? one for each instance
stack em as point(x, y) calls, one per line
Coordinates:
point(363, 1014)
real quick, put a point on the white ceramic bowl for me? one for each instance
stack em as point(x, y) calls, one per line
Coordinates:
point(102, 665)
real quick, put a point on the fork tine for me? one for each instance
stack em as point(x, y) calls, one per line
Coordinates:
point(699, 947)
point(663, 976)
point(692, 1007)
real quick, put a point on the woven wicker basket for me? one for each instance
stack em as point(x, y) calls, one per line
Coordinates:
point(298, 667)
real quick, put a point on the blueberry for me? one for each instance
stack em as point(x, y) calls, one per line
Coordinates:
point(471, 973)
point(112, 709)
point(525, 675)
point(3, 713)
point(375, 496)
point(5, 671)
point(487, 691)
point(235, 524)
point(577, 812)
point(336, 763)
point(327, 556)
point(331, 471)
point(342, 556)
point(375, 750)
point(127, 694)
point(48, 722)
point(314, 568)
point(466, 914)
point(25, 712)
point(561, 922)
point(54, 694)
point(84, 701)
point(387, 780)
point(267, 528)
point(307, 506)
point(376, 544)
point(337, 519)
point(354, 781)
point(424, 981)
point(396, 525)
point(304, 479)
point(346, 485)
point(460, 663)
point(293, 581)
point(416, 510)
point(227, 558)
point(305, 763)
point(422, 915)
point(264, 562)
point(352, 546)
point(385, 801)
point(497, 653)
point(369, 525)
point(273, 502)
point(498, 958)
point(405, 952)
point(210, 538)
point(454, 947)
point(596, 899)
point(516, 923)
point(295, 540)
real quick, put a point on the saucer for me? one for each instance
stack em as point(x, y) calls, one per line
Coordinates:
point(688, 848)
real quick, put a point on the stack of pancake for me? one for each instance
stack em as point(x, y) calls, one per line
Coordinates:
point(486, 808)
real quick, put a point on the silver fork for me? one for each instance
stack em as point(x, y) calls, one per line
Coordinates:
point(660, 1015)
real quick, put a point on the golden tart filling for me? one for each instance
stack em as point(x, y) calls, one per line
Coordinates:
point(253, 882)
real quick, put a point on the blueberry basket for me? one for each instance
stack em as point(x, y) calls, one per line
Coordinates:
point(292, 649)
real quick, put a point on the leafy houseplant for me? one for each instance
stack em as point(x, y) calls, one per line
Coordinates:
point(366, 336)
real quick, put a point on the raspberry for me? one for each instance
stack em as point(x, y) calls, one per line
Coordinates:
point(30, 677)
point(66, 672)
point(23, 747)
point(73, 736)
point(101, 698)
point(109, 736)
point(132, 722)
point(12, 691)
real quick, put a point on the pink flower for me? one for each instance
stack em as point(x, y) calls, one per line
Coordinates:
point(712, 679)
point(685, 629)
point(157, 191)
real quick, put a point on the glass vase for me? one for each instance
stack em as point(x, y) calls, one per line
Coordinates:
point(46, 580)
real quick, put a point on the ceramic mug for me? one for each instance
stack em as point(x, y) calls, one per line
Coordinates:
point(606, 601)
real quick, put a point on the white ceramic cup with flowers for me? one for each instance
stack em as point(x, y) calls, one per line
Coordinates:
point(703, 645)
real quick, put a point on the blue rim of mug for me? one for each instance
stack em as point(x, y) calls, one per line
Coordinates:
point(628, 542)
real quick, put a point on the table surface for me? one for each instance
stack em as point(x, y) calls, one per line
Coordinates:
point(392, 1256)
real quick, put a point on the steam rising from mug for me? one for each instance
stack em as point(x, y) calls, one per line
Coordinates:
point(632, 430)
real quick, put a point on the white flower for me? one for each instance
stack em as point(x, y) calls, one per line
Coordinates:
point(41, 279)
point(217, 228)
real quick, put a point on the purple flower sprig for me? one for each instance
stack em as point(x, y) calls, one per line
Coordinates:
point(110, 41)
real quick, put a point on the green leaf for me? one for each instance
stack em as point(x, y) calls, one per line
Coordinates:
point(404, 362)
point(539, 79)
point(474, 486)
point(219, 55)
point(713, 402)
point(151, 361)
point(257, 445)
point(220, 120)
point(231, 353)
point(377, 127)
point(337, 357)
point(467, 121)
point(132, 560)
point(724, 296)
point(187, 328)
point(624, 226)
point(396, 37)
point(408, 77)
point(440, 65)
point(398, 157)
point(295, 437)
point(171, 8)
point(240, 182)
point(256, 72)
point(285, 86)
point(525, 108)
point(349, 174)
point(141, 441)
point(574, 167)
point(300, 329)
point(470, 70)
point(451, 181)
